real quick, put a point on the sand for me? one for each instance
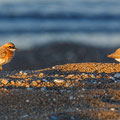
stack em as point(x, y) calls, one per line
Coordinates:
point(86, 91)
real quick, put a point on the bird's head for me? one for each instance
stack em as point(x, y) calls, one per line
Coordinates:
point(10, 46)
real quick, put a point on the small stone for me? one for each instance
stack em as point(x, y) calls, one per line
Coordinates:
point(21, 72)
point(92, 76)
point(44, 80)
point(27, 101)
point(24, 73)
point(38, 81)
point(53, 67)
point(43, 89)
point(28, 88)
point(67, 84)
point(34, 83)
point(112, 109)
point(56, 75)
point(41, 74)
point(83, 89)
point(71, 97)
point(53, 118)
point(12, 82)
point(24, 116)
point(18, 83)
point(82, 96)
point(3, 89)
point(117, 75)
point(61, 75)
point(70, 76)
point(59, 81)
point(72, 118)
point(26, 79)
point(4, 81)
point(110, 77)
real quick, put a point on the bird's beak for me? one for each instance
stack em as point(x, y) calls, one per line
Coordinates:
point(16, 49)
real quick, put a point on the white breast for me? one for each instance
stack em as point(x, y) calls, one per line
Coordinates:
point(117, 59)
point(2, 61)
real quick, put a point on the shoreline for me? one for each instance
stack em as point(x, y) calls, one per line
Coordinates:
point(53, 54)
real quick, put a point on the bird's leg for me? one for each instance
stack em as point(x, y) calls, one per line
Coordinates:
point(1, 67)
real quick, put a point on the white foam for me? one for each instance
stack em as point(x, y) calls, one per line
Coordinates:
point(26, 41)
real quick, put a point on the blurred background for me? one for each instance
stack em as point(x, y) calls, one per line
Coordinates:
point(53, 32)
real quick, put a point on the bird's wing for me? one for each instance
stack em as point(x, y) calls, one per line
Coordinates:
point(2, 53)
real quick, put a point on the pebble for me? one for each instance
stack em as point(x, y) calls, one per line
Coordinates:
point(59, 81)
point(112, 78)
point(4, 81)
point(38, 81)
point(72, 118)
point(23, 72)
point(117, 75)
point(83, 89)
point(67, 84)
point(28, 88)
point(34, 83)
point(61, 75)
point(12, 82)
point(94, 81)
point(24, 116)
point(27, 101)
point(44, 89)
point(41, 74)
point(56, 75)
point(112, 109)
point(71, 97)
point(70, 76)
point(53, 67)
point(92, 76)
point(81, 95)
point(53, 118)
point(44, 80)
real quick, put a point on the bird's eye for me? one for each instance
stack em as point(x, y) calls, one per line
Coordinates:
point(10, 47)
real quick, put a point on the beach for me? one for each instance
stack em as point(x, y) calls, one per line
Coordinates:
point(61, 70)
point(71, 91)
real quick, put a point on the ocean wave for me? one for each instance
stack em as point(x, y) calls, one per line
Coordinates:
point(61, 16)
point(41, 31)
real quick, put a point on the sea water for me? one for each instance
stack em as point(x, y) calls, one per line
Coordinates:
point(36, 22)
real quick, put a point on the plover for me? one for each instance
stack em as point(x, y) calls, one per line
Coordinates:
point(7, 52)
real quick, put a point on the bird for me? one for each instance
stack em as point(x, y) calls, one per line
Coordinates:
point(115, 55)
point(7, 52)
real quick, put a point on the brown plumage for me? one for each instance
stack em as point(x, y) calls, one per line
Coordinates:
point(6, 53)
point(115, 55)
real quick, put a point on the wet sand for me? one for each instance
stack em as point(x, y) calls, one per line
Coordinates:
point(88, 91)
point(60, 53)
